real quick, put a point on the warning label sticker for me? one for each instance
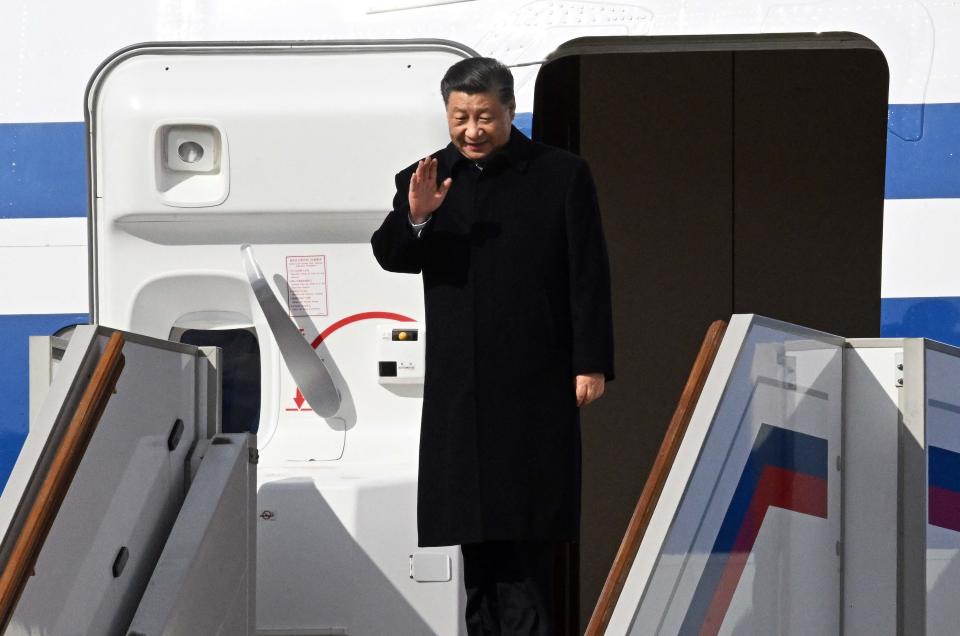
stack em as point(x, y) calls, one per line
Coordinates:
point(307, 285)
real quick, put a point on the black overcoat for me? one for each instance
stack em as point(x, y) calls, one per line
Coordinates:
point(517, 298)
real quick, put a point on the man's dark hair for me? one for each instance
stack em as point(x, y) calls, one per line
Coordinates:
point(478, 75)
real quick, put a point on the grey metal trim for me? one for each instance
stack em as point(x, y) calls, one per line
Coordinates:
point(150, 341)
point(875, 343)
point(726, 42)
point(95, 83)
point(942, 347)
point(83, 353)
point(219, 505)
point(803, 332)
point(82, 363)
point(893, 343)
point(209, 380)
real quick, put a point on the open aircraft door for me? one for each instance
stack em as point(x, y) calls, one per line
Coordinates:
point(197, 150)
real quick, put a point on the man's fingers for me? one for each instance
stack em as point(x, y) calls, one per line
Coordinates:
point(581, 392)
point(418, 174)
point(593, 392)
point(444, 188)
point(590, 394)
point(425, 195)
point(589, 388)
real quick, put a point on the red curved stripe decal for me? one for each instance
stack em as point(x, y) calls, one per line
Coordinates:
point(367, 315)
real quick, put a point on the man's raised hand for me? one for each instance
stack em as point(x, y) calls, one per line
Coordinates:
point(425, 196)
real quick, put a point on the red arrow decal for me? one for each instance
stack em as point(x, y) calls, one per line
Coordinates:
point(367, 315)
point(343, 322)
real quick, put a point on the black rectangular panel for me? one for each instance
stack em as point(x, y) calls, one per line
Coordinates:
point(810, 138)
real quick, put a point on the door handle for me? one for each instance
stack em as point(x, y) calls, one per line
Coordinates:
point(306, 367)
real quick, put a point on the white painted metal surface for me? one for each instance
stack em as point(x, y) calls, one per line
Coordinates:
point(40, 264)
point(871, 434)
point(311, 162)
point(430, 566)
point(919, 253)
point(46, 82)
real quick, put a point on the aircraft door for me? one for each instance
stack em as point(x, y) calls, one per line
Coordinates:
point(291, 148)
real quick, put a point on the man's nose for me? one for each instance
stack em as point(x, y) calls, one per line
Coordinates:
point(473, 130)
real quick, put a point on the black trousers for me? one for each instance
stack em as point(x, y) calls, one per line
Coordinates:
point(510, 587)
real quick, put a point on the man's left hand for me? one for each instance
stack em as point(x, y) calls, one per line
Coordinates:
point(588, 387)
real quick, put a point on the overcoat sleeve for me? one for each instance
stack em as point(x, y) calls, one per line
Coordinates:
point(396, 245)
point(590, 304)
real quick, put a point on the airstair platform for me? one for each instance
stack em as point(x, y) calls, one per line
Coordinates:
point(808, 484)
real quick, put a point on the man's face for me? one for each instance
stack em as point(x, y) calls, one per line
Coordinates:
point(479, 124)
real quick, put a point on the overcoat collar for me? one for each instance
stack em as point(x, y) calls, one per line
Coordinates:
point(517, 152)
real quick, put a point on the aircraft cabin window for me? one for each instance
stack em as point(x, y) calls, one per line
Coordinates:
point(241, 374)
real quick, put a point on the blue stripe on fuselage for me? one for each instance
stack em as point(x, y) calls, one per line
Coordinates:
point(934, 318)
point(925, 164)
point(524, 123)
point(43, 170)
point(43, 166)
point(14, 377)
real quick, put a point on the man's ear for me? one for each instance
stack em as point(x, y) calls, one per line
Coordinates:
point(513, 108)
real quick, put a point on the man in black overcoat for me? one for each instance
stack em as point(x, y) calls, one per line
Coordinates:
point(506, 233)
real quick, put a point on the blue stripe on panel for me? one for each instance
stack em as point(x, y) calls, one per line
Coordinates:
point(43, 170)
point(944, 467)
point(773, 446)
point(14, 377)
point(924, 164)
point(934, 318)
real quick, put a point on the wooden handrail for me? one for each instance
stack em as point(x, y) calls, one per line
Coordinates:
point(654, 485)
point(57, 479)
